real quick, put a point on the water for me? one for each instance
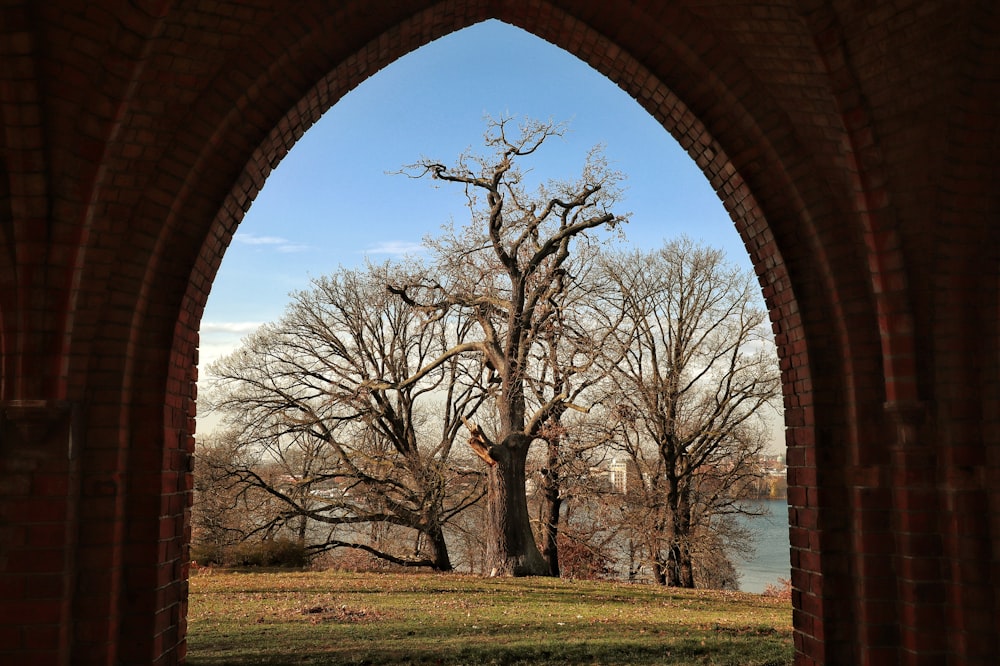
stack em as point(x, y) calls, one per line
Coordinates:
point(771, 560)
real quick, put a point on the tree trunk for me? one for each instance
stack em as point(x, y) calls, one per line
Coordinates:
point(439, 549)
point(681, 570)
point(511, 549)
point(660, 571)
point(673, 569)
point(686, 567)
point(551, 510)
point(550, 535)
point(302, 530)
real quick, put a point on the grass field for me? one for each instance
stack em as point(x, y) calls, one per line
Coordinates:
point(376, 619)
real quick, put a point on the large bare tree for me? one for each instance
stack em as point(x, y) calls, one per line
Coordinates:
point(695, 372)
point(356, 457)
point(506, 271)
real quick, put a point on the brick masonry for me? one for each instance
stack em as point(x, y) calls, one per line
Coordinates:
point(852, 143)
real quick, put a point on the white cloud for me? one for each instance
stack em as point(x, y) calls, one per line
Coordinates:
point(219, 338)
point(395, 247)
point(229, 326)
point(277, 242)
point(253, 239)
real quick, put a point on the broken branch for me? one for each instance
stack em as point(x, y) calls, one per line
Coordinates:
point(479, 442)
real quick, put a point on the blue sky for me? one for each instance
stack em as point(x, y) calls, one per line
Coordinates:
point(334, 200)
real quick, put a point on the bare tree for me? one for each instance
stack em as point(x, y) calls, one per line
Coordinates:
point(566, 360)
point(354, 457)
point(694, 371)
point(506, 271)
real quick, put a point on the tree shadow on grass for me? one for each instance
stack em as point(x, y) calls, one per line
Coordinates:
point(721, 649)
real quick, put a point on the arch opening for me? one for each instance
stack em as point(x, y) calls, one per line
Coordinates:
point(710, 157)
point(301, 216)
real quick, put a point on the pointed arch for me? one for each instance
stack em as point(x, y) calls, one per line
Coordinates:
point(850, 143)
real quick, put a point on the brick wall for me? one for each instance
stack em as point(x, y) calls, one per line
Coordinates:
point(852, 143)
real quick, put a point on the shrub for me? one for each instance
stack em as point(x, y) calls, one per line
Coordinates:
point(582, 560)
point(266, 553)
point(272, 553)
point(208, 554)
point(783, 590)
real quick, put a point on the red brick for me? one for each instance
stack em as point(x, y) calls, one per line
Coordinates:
point(852, 143)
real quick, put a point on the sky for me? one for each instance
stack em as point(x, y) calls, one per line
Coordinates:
point(335, 199)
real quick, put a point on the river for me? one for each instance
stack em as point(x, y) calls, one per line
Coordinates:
point(771, 561)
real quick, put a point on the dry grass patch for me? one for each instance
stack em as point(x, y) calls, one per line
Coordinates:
point(346, 618)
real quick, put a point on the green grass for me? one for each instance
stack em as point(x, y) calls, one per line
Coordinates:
point(376, 619)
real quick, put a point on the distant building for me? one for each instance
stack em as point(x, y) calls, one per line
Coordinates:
point(624, 475)
point(773, 464)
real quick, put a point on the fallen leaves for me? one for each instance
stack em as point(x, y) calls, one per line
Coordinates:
point(340, 614)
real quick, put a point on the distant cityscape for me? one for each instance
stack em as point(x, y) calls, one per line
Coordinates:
point(623, 475)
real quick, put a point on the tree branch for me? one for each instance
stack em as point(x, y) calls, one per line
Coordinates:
point(378, 385)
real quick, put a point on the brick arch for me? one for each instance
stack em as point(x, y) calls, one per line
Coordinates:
point(677, 118)
point(146, 344)
point(148, 128)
